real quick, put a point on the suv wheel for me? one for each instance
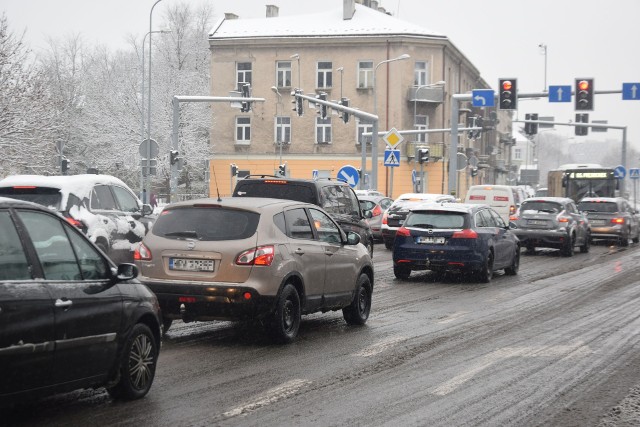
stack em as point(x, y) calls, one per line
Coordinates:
point(567, 250)
point(285, 320)
point(357, 312)
point(138, 364)
point(587, 244)
point(401, 273)
point(388, 244)
point(486, 273)
point(624, 240)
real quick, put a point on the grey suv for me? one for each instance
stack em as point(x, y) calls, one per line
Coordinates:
point(611, 218)
point(241, 258)
point(334, 196)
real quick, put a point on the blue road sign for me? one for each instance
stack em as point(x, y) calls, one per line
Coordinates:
point(414, 176)
point(634, 173)
point(483, 98)
point(560, 93)
point(619, 172)
point(392, 158)
point(314, 174)
point(349, 174)
point(631, 91)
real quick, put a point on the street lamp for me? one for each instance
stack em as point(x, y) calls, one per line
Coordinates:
point(341, 69)
point(374, 133)
point(279, 130)
point(415, 97)
point(543, 50)
point(297, 57)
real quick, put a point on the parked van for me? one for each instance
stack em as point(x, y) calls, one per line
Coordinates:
point(502, 198)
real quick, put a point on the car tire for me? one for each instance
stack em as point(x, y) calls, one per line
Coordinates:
point(285, 320)
point(567, 250)
point(401, 273)
point(388, 244)
point(137, 367)
point(166, 324)
point(486, 273)
point(515, 264)
point(587, 244)
point(637, 238)
point(357, 312)
point(531, 250)
point(370, 247)
point(624, 240)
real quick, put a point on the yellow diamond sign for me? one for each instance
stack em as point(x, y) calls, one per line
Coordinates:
point(393, 138)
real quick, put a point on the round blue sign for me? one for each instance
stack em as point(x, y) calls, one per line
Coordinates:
point(350, 175)
point(620, 172)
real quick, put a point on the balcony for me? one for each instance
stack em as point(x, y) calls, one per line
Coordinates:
point(431, 95)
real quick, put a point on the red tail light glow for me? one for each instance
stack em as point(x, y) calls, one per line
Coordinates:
point(142, 253)
point(514, 217)
point(376, 211)
point(563, 218)
point(512, 209)
point(262, 255)
point(404, 232)
point(74, 222)
point(384, 218)
point(467, 233)
point(617, 220)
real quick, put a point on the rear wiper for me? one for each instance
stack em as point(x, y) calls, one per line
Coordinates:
point(547, 210)
point(186, 233)
point(422, 226)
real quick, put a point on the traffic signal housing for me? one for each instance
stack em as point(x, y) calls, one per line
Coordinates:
point(173, 156)
point(64, 165)
point(584, 94)
point(297, 102)
point(582, 118)
point(322, 110)
point(508, 94)
point(345, 103)
point(423, 155)
point(282, 169)
point(531, 128)
point(246, 105)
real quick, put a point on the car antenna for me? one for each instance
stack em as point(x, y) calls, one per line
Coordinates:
point(215, 179)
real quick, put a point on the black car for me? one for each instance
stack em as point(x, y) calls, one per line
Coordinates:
point(69, 318)
point(466, 238)
point(336, 197)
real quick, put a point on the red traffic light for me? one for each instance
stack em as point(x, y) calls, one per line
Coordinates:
point(507, 85)
point(583, 85)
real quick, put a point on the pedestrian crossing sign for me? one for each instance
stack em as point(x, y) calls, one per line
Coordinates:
point(392, 158)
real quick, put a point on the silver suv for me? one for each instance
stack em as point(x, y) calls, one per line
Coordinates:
point(242, 258)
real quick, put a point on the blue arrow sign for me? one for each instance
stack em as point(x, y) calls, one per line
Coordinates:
point(483, 98)
point(414, 176)
point(349, 174)
point(631, 91)
point(560, 93)
point(634, 173)
point(392, 158)
point(314, 174)
point(619, 172)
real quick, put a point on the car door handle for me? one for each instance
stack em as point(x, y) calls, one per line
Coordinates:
point(64, 303)
point(298, 252)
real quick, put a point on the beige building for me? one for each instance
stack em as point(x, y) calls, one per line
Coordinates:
point(342, 52)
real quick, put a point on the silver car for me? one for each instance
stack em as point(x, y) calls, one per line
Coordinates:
point(377, 205)
point(254, 258)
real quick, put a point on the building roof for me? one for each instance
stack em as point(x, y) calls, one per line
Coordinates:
point(365, 22)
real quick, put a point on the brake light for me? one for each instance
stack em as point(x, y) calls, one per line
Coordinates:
point(512, 209)
point(376, 211)
point(23, 187)
point(384, 218)
point(617, 220)
point(262, 255)
point(403, 232)
point(74, 222)
point(563, 219)
point(514, 218)
point(142, 253)
point(467, 233)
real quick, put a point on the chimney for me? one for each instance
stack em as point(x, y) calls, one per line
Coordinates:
point(348, 9)
point(272, 11)
point(230, 16)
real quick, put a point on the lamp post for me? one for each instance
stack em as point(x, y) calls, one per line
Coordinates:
point(149, 102)
point(278, 128)
point(341, 69)
point(297, 57)
point(415, 97)
point(543, 50)
point(374, 133)
point(142, 108)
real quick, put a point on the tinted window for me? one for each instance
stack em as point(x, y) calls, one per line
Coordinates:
point(102, 198)
point(13, 263)
point(485, 219)
point(127, 202)
point(92, 265)
point(327, 230)
point(497, 219)
point(49, 197)
point(435, 219)
point(278, 190)
point(206, 223)
point(298, 224)
point(336, 199)
point(541, 206)
point(598, 207)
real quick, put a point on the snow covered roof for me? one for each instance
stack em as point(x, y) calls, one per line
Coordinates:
point(365, 22)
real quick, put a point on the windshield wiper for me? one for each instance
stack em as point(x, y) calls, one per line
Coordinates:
point(186, 233)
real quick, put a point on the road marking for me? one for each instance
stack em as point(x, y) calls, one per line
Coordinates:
point(270, 396)
point(454, 316)
point(379, 347)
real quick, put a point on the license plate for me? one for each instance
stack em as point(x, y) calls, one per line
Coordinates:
point(430, 240)
point(597, 222)
point(185, 264)
point(536, 222)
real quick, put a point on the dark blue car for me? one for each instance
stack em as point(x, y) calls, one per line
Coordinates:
point(467, 238)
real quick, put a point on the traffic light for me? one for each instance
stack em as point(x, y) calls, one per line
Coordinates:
point(173, 156)
point(297, 102)
point(322, 111)
point(582, 118)
point(423, 155)
point(474, 171)
point(531, 128)
point(234, 169)
point(584, 94)
point(345, 103)
point(64, 165)
point(508, 94)
point(282, 169)
point(246, 105)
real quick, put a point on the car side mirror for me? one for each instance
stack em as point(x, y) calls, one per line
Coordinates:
point(147, 209)
point(353, 238)
point(126, 271)
point(367, 214)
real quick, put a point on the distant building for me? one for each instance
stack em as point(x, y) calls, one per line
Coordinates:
point(339, 52)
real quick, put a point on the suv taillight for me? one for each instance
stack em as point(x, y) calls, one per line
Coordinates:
point(467, 233)
point(384, 218)
point(617, 220)
point(74, 222)
point(262, 255)
point(404, 232)
point(376, 211)
point(142, 253)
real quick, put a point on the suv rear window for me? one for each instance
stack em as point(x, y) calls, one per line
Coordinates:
point(598, 207)
point(277, 189)
point(541, 206)
point(45, 196)
point(206, 223)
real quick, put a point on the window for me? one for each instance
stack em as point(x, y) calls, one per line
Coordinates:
point(102, 198)
point(339, 200)
point(517, 154)
point(126, 200)
point(243, 129)
point(422, 123)
point(323, 130)
point(362, 128)
point(365, 74)
point(298, 224)
point(282, 130)
point(325, 75)
point(243, 74)
point(326, 229)
point(420, 73)
point(283, 73)
point(13, 263)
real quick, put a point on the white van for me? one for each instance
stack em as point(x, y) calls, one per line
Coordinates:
point(502, 198)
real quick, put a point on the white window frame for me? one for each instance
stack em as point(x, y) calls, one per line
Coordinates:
point(282, 126)
point(243, 130)
point(324, 75)
point(323, 130)
point(420, 73)
point(283, 74)
point(517, 153)
point(422, 123)
point(362, 128)
point(365, 74)
point(243, 76)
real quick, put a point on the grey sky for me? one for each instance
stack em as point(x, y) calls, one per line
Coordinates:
point(500, 37)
